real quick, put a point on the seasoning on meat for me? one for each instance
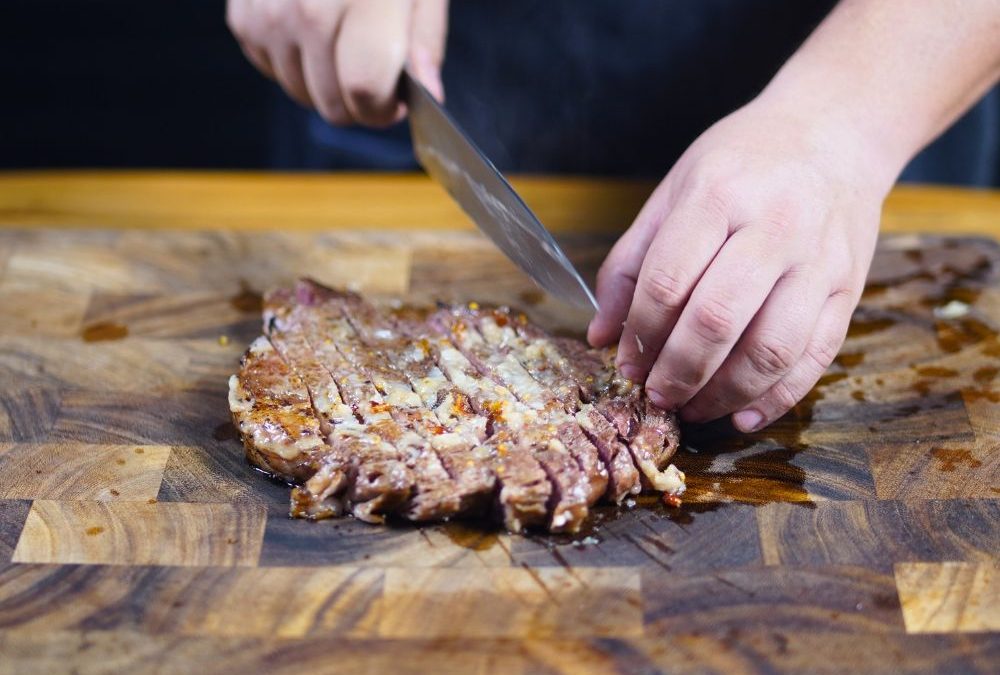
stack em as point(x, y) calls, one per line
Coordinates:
point(429, 414)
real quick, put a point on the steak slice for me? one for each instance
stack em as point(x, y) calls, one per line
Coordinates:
point(359, 461)
point(525, 490)
point(394, 412)
point(531, 415)
point(651, 434)
point(434, 413)
point(272, 411)
point(593, 442)
point(420, 395)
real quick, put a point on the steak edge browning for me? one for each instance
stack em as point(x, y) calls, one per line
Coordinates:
point(428, 414)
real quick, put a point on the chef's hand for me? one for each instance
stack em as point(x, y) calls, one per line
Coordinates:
point(733, 289)
point(344, 57)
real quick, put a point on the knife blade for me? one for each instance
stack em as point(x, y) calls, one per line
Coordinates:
point(453, 160)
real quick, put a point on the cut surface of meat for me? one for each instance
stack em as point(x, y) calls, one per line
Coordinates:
point(428, 414)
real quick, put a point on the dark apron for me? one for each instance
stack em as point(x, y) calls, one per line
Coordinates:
point(612, 88)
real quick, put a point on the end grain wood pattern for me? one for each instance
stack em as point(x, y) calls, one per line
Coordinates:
point(860, 532)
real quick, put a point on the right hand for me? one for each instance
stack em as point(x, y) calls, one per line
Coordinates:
point(344, 57)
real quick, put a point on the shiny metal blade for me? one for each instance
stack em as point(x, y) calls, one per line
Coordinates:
point(485, 195)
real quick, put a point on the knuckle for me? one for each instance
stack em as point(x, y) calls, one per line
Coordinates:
point(823, 351)
point(687, 381)
point(664, 291)
point(771, 356)
point(714, 322)
point(317, 17)
point(783, 397)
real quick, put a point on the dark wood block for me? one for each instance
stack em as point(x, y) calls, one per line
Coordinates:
point(820, 598)
point(877, 534)
point(27, 414)
point(695, 537)
point(13, 513)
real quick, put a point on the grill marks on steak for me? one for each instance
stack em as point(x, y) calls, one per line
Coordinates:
point(525, 491)
point(437, 413)
point(533, 416)
point(551, 369)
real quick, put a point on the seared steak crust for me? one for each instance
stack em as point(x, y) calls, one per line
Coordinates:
point(430, 414)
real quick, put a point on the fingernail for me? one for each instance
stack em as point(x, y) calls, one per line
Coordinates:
point(658, 399)
point(748, 421)
point(631, 372)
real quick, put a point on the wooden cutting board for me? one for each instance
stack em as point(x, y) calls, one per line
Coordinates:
point(861, 532)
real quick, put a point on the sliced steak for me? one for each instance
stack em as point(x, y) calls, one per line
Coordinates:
point(525, 491)
point(272, 411)
point(529, 412)
point(569, 383)
point(436, 413)
point(419, 395)
point(651, 434)
point(378, 478)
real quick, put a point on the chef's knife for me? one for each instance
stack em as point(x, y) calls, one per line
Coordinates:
point(484, 194)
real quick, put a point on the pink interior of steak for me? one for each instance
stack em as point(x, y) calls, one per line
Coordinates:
point(430, 414)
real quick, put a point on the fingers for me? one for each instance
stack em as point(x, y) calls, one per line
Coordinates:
point(618, 274)
point(772, 344)
point(320, 34)
point(680, 252)
point(428, 30)
point(727, 297)
point(831, 328)
point(287, 64)
point(370, 51)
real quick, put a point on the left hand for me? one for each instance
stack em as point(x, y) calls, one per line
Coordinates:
point(733, 289)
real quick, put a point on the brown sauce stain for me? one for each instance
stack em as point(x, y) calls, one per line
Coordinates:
point(873, 289)
point(935, 371)
point(473, 539)
point(104, 331)
point(139, 451)
point(953, 336)
point(914, 255)
point(949, 459)
point(247, 300)
point(921, 387)
point(973, 395)
point(992, 348)
point(858, 395)
point(850, 360)
point(985, 374)
point(225, 432)
point(532, 297)
point(120, 461)
point(94, 531)
point(860, 327)
point(115, 493)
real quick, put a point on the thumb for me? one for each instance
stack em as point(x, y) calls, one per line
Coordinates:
point(428, 30)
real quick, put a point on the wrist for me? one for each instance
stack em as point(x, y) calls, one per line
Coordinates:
point(848, 132)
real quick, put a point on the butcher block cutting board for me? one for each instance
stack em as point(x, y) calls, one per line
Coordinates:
point(861, 532)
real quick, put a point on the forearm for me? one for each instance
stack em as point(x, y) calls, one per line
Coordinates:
point(896, 73)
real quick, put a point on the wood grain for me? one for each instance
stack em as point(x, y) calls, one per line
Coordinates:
point(73, 471)
point(949, 597)
point(118, 533)
point(511, 603)
point(851, 536)
point(266, 603)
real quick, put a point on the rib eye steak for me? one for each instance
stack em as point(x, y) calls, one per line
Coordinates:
point(433, 413)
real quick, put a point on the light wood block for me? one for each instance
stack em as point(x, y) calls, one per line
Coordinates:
point(71, 471)
point(518, 602)
point(119, 533)
point(949, 597)
point(275, 602)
